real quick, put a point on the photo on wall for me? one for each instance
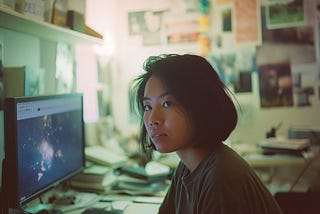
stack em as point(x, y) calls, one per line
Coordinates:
point(275, 84)
point(225, 65)
point(141, 22)
point(226, 20)
point(285, 13)
point(146, 24)
point(65, 72)
point(243, 82)
point(303, 87)
point(182, 29)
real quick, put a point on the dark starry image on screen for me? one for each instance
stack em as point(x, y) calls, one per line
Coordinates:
point(49, 148)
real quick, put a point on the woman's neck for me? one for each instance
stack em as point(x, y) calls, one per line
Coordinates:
point(192, 157)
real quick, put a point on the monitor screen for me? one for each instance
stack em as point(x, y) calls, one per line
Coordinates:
point(44, 144)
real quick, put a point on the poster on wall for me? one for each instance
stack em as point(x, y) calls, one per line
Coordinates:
point(146, 24)
point(141, 22)
point(226, 16)
point(225, 65)
point(181, 29)
point(295, 44)
point(285, 13)
point(64, 68)
point(303, 85)
point(181, 22)
point(247, 22)
point(275, 84)
point(243, 82)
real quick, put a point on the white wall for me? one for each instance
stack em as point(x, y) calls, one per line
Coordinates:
point(255, 121)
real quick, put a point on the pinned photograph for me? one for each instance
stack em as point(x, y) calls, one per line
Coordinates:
point(275, 82)
point(285, 13)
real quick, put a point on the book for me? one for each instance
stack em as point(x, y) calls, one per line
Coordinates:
point(94, 173)
point(152, 172)
point(93, 182)
point(284, 146)
point(103, 156)
point(132, 188)
point(279, 143)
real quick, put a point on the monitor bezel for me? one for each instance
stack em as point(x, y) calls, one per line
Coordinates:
point(11, 150)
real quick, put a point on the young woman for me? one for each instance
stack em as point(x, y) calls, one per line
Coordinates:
point(187, 109)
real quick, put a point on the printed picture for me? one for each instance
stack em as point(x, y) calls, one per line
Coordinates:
point(275, 82)
point(226, 20)
point(182, 30)
point(285, 13)
point(146, 24)
point(141, 22)
point(65, 81)
point(243, 82)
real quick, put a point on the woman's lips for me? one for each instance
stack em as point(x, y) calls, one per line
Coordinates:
point(157, 135)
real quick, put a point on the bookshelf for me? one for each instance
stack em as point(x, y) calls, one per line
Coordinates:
point(15, 21)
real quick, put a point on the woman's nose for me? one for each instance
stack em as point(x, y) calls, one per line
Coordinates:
point(155, 117)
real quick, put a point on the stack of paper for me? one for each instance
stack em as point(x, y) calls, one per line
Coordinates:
point(94, 179)
point(289, 146)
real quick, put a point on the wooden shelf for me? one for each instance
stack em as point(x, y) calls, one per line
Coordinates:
point(15, 21)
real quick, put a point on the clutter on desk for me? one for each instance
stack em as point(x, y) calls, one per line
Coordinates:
point(142, 180)
point(285, 146)
point(151, 179)
point(95, 178)
point(104, 156)
point(273, 131)
point(140, 189)
point(305, 132)
point(152, 172)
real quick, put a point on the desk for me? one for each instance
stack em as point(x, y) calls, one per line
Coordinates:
point(260, 160)
point(142, 208)
point(132, 204)
point(133, 208)
point(281, 172)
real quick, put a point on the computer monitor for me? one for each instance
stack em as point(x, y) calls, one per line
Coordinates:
point(44, 145)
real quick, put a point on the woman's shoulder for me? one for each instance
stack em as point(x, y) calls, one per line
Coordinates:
point(225, 161)
point(225, 154)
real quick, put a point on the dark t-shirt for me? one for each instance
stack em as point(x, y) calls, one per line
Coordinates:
point(222, 183)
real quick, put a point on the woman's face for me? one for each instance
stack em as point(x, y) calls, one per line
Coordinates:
point(167, 124)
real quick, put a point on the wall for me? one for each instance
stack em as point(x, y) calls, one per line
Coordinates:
point(25, 50)
point(254, 120)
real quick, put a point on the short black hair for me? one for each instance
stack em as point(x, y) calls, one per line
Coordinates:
point(196, 85)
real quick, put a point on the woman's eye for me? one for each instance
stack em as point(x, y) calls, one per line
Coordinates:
point(166, 104)
point(147, 107)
